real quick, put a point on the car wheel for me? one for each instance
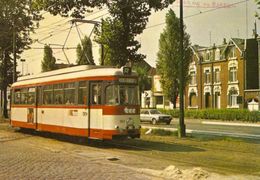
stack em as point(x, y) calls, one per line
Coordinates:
point(168, 123)
point(154, 121)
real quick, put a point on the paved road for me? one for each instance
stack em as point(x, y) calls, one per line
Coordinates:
point(28, 157)
point(227, 129)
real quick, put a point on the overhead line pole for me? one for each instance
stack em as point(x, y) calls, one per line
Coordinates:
point(181, 128)
point(14, 53)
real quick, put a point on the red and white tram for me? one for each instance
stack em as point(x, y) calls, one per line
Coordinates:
point(89, 101)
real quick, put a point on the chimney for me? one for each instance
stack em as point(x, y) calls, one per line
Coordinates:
point(224, 41)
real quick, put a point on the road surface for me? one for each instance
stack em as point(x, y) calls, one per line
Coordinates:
point(231, 129)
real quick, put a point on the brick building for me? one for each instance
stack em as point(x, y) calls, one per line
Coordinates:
point(224, 76)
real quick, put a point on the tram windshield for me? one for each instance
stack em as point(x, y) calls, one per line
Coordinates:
point(122, 95)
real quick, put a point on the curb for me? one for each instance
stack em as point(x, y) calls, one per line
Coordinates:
point(214, 133)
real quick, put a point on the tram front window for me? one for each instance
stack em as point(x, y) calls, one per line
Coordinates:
point(122, 94)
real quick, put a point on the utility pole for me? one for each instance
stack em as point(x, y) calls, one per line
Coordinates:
point(14, 53)
point(102, 45)
point(181, 127)
point(5, 112)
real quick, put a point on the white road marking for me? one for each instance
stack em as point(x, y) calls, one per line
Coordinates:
point(231, 124)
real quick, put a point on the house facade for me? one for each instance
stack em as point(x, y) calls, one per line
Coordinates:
point(223, 76)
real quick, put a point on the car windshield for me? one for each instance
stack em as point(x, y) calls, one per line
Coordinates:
point(155, 111)
point(122, 94)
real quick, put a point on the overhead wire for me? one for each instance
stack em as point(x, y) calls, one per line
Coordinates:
point(53, 34)
point(149, 27)
point(203, 12)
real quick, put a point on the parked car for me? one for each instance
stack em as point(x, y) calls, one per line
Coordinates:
point(154, 116)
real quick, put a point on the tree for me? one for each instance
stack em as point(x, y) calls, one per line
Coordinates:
point(48, 63)
point(258, 4)
point(169, 57)
point(111, 39)
point(84, 52)
point(143, 79)
point(130, 16)
point(18, 19)
point(6, 77)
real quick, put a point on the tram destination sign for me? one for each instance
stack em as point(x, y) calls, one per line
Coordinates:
point(127, 80)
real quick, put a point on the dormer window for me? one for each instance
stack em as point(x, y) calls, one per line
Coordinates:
point(207, 57)
point(233, 52)
point(217, 54)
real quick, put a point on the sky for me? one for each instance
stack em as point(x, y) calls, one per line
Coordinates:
point(207, 22)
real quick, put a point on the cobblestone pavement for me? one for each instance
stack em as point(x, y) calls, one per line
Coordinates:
point(29, 157)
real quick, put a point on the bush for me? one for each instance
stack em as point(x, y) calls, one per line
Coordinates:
point(218, 114)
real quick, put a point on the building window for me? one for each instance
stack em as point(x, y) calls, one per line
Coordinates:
point(159, 99)
point(207, 76)
point(193, 100)
point(207, 55)
point(193, 78)
point(233, 52)
point(207, 100)
point(217, 76)
point(217, 54)
point(232, 98)
point(217, 100)
point(232, 74)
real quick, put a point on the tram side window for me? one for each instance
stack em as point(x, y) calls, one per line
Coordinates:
point(17, 96)
point(69, 93)
point(31, 96)
point(48, 94)
point(24, 96)
point(82, 95)
point(112, 94)
point(58, 93)
point(96, 94)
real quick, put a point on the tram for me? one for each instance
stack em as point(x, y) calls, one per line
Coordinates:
point(96, 102)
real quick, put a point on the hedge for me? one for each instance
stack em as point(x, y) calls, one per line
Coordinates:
point(219, 114)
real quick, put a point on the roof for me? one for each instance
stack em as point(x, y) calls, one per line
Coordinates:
point(239, 43)
point(69, 73)
point(150, 70)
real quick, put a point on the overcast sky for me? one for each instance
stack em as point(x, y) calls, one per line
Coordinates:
point(206, 22)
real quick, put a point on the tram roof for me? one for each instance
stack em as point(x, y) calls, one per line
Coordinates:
point(69, 73)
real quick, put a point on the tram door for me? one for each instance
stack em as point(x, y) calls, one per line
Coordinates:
point(95, 122)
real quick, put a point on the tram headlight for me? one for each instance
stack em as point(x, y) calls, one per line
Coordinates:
point(116, 127)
